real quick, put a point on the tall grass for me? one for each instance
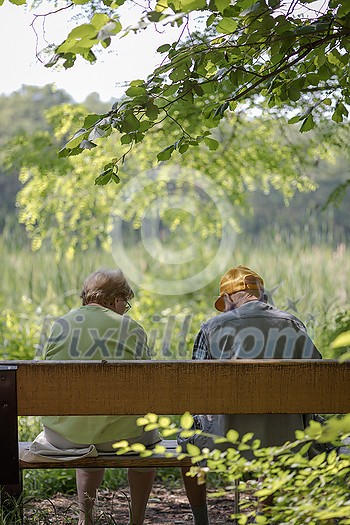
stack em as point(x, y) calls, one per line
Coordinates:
point(312, 278)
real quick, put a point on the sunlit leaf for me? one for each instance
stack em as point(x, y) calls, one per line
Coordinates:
point(227, 26)
point(342, 340)
point(186, 421)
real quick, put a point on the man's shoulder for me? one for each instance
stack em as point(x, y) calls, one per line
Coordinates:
point(272, 311)
point(219, 320)
point(251, 310)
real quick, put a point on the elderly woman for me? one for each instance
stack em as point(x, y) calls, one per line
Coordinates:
point(99, 330)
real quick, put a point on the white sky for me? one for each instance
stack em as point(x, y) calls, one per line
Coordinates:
point(126, 59)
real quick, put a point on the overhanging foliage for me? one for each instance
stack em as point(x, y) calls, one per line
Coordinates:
point(288, 54)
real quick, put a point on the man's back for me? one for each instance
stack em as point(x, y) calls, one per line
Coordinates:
point(256, 330)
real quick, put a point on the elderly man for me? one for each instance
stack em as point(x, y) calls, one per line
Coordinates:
point(99, 330)
point(247, 328)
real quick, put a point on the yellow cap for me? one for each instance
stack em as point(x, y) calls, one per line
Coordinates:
point(236, 280)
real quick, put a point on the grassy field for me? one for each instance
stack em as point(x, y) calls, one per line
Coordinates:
point(311, 280)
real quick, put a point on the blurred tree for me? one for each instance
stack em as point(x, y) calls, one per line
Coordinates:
point(23, 112)
point(57, 203)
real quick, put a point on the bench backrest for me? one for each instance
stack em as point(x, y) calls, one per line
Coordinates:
point(167, 387)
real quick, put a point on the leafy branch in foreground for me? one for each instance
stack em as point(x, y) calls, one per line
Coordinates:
point(305, 490)
point(288, 55)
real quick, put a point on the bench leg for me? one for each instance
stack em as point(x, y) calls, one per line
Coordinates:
point(12, 503)
point(236, 500)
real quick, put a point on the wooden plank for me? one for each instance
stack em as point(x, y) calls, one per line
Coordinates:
point(166, 387)
point(114, 461)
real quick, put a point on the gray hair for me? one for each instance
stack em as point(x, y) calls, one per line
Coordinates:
point(103, 286)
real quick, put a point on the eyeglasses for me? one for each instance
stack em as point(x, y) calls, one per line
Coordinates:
point(127, 306)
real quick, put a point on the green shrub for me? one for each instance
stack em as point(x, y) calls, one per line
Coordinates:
point(306, 490)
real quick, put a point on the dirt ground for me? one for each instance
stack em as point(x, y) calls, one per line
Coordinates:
point(165, 507)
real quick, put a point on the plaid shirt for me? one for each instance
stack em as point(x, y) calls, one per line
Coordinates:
point(201, 346)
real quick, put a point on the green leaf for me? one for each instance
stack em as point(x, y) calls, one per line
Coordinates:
point(227, 26)
point(138, 447)
point(17, 2)
point(183, 148)
point(294, 91)
point(99, 20)
point(135, 91)
point(120, 444)
point(247, 437)
point(253, 8)
point(103, 179)
point(260, 519)
point(164, 422)
point(339, 112)
point(211, 143)
point(152, 417)
point(219, 112)
point(137, 82)
point(69, 60)
point(82, 31)
point(295, 119)
point(151, 426)
point(324, 72)
point(317, 460)
point(210, 20)
point(232, 435)
point(186, 420)
point(91, 119)
point(222, 4)
point(168, 432)
point(344, 357)
point(130, 123)
point(189, 5)
point(193, 450)
point(126, 139)
point(307, 124)
point(154, 16)
point(304, 449)
point(245, 4)
point(152, 111)
point(164, 48)
point(141, 421)
point(146, 453)
point(159, 449)
point(344, 9)
point(342, 340)
point(332, 457)
point(165, 154)
point(77, 138)
point(115, 177)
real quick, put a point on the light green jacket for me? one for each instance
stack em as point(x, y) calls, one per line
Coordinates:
point(96, 333)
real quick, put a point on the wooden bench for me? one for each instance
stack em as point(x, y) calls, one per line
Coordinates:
point(38, 388)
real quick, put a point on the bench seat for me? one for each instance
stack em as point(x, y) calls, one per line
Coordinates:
point(168, 459)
